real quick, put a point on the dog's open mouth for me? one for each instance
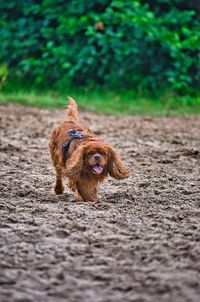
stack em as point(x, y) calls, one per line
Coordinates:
point(97, 169)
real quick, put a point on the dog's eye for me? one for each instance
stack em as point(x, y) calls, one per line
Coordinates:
point(103, 153)
point(89, 153)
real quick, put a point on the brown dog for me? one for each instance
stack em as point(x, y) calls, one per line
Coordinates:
point(83, 158)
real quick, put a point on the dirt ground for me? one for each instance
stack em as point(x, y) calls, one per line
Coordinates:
point(141, 242)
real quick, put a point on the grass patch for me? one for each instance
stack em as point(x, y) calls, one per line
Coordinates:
point(108, 102)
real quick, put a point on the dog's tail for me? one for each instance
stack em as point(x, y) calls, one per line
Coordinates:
point(72, 110)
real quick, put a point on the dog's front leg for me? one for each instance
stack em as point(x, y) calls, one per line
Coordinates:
point(86, 192)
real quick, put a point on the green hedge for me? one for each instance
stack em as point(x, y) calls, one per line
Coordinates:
point(139, 44)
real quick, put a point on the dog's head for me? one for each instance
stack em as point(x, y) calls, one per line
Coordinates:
point(96, 159)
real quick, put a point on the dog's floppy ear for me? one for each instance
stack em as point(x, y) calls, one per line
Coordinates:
point(74, 165)
point(116, 167)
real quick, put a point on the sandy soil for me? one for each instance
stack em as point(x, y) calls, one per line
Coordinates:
point(140, 243)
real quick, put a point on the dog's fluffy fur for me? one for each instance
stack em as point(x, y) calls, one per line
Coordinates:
point(89, 160)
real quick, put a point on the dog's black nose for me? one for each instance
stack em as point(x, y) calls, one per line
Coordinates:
point(97, 157)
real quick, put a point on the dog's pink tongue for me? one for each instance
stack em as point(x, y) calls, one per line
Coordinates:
point(97, 169)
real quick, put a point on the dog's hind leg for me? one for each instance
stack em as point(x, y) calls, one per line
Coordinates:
point(58, 187)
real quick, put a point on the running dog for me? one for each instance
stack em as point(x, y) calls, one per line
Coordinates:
point(79, 155)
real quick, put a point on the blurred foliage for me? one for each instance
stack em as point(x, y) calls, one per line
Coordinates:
point(140, 44)
point(3, 74)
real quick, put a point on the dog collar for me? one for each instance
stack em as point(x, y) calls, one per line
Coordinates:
point(73, 133)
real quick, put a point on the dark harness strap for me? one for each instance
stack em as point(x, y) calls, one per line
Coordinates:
point(72, 135)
